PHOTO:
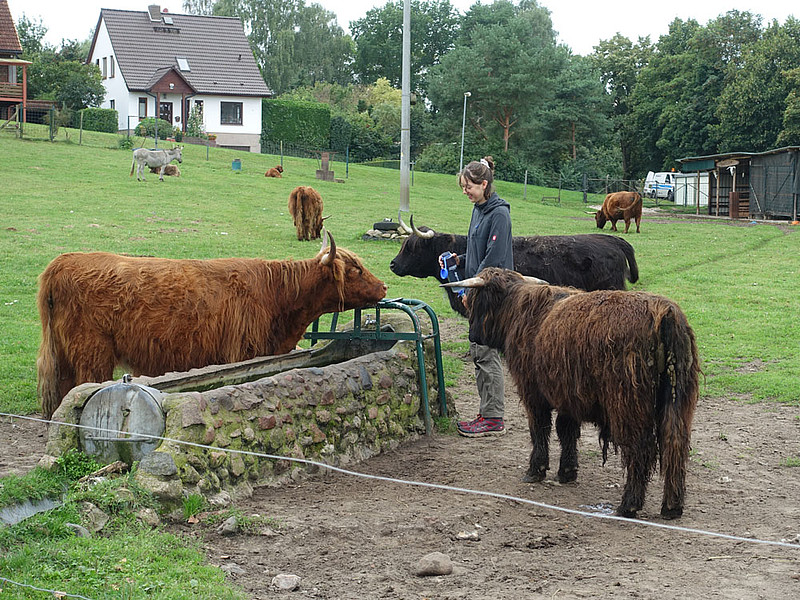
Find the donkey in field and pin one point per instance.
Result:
(154, 158)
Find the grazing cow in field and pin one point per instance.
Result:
(169, 170)
(592, 261)
(305, 206)
(156, 315)
(154, 158)
(274, 172)
(625, 361)
(620, 205)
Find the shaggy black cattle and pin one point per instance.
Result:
(625, 361)
(590, 261)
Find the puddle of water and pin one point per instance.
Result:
(604, 508)
(11, 515)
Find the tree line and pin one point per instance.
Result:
(732, 84)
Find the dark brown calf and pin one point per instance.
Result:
(625, 361)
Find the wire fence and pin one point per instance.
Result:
(43, 123)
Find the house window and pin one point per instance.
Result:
(142, 108)
(113, 104)
(111, 64)
(183, 64)
(105, 67)
(230, 113)
(199, 105)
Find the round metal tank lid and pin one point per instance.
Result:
(118, 420)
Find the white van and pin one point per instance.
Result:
(660, 185)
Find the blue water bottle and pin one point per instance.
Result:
(448, 271)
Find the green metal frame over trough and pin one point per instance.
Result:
(410, 307)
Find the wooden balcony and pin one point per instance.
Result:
(10, 91)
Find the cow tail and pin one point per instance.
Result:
(676, 398)
(633, 268)
(47, 361)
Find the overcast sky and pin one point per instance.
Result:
(580, 24)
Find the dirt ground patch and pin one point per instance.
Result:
(348, 537)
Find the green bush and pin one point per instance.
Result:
(147, 128)
(367, 142)
(341, 132)
(438, 158)
(97, 119)
(297, 122)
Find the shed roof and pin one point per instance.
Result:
(216, 48)
(726, 155)
(9, 40)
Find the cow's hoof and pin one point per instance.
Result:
(626, 512)
(567, 476)
(671, 513)
(534, 477)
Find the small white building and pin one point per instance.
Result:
(691, 189)
(163, 64)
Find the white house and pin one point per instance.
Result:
(163, 64)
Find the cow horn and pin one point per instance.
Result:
(536, 280)
(328, 258)
(327, 217)
(472, 282)
(423, 234)
(324, 239)
(403, 226)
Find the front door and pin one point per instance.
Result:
(165, 111)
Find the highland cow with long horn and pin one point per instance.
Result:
(626, 361)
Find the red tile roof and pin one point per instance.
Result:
(9, 40)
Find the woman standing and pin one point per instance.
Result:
(488, 245)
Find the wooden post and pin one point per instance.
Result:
(697, 195)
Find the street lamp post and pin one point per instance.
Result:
(463, 123)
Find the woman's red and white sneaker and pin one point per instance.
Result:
(481, 427)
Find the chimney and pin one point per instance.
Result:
(155, 12)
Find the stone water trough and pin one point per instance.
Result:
(337, 403)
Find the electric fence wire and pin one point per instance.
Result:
(543, 505)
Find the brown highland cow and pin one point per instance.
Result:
(625, 361)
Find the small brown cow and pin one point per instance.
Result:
(620, 205)
(274, 172)
(168, 170)
(305, 206)
(155, 315)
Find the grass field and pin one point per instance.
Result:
(737, 282)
